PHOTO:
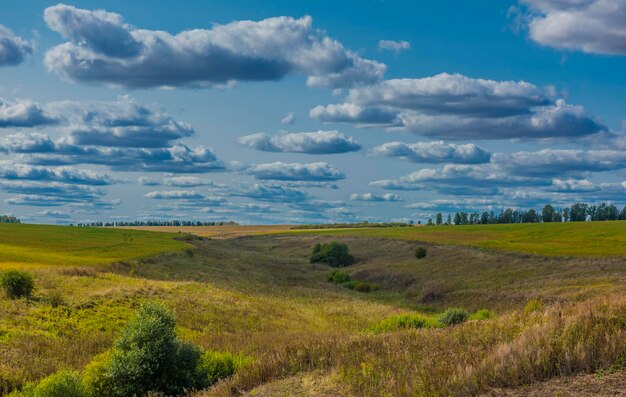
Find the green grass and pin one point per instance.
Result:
(44, 245)
(575, 239)
(261, 297)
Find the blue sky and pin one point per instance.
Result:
(275, 112)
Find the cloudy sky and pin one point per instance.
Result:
(283, 111)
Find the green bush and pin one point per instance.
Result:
(148, 357)
(482, 314)
(453, 316)
(420, 252)
(61, 384)
(220, 365)
(405, 321)
(339, 277)
(17, 284)
(334, 254)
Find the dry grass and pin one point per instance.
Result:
(220, 232)
(260, 296)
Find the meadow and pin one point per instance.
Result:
(534, 317)
(575, 239)
(44, 245)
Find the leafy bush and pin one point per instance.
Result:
(339, 277)
(61, 384)
(148, 357)
(420, 252)
(482, 314)
(220, 365)
(334, 254)
(453, 316)
(405, 321)
(17, 283)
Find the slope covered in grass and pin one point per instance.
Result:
(260, 296)
(46, 245)
(575, 239)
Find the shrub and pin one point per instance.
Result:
(148, 357)
(17, 284)
(95, 379)
(482, 314)
(61, 384)
(339, 277)
(420, 252)
(334, 254)
(453, 316)
(220, 365)
(405, 321)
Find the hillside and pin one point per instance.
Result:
(259, 295)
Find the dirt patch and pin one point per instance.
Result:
(575, 386)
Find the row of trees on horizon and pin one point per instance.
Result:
(154, 223)
(579, 212)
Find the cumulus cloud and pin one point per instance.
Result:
(123, 135)
(557, 162)
(591, 26)
(459, 179)
(452, 106)
(175, 195)
(14, 171)
(394, 45)
(320, 142)
(188, 181)
(124, 122)
(295, 172)
(433, 152)
(102, 48)
(23, 113)
(13, 49)
(272, 193)
(374, 197)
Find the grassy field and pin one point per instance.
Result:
(43, 245)
(573, 239)
(223, 231)
(258, 295)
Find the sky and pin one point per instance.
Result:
(308, 112)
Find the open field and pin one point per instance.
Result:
(225, 231)
(32, 245)
(553, 239)
(258, 295)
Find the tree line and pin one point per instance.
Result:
(9, 219)
(579, 212)
(154, 223)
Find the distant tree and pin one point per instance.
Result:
(449, 221)
(484, 218)
(430, 222)
(438, 219)
(566, 214)
(557, 216)
(530, 216)
(457, 219)
(578, 212)
(547, 214)
(464, 218)
(622, 214)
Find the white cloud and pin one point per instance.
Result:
(394, 45)
(101, 48)
(320, 142)
(433, 152)
(591, 26)
(295, 172)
